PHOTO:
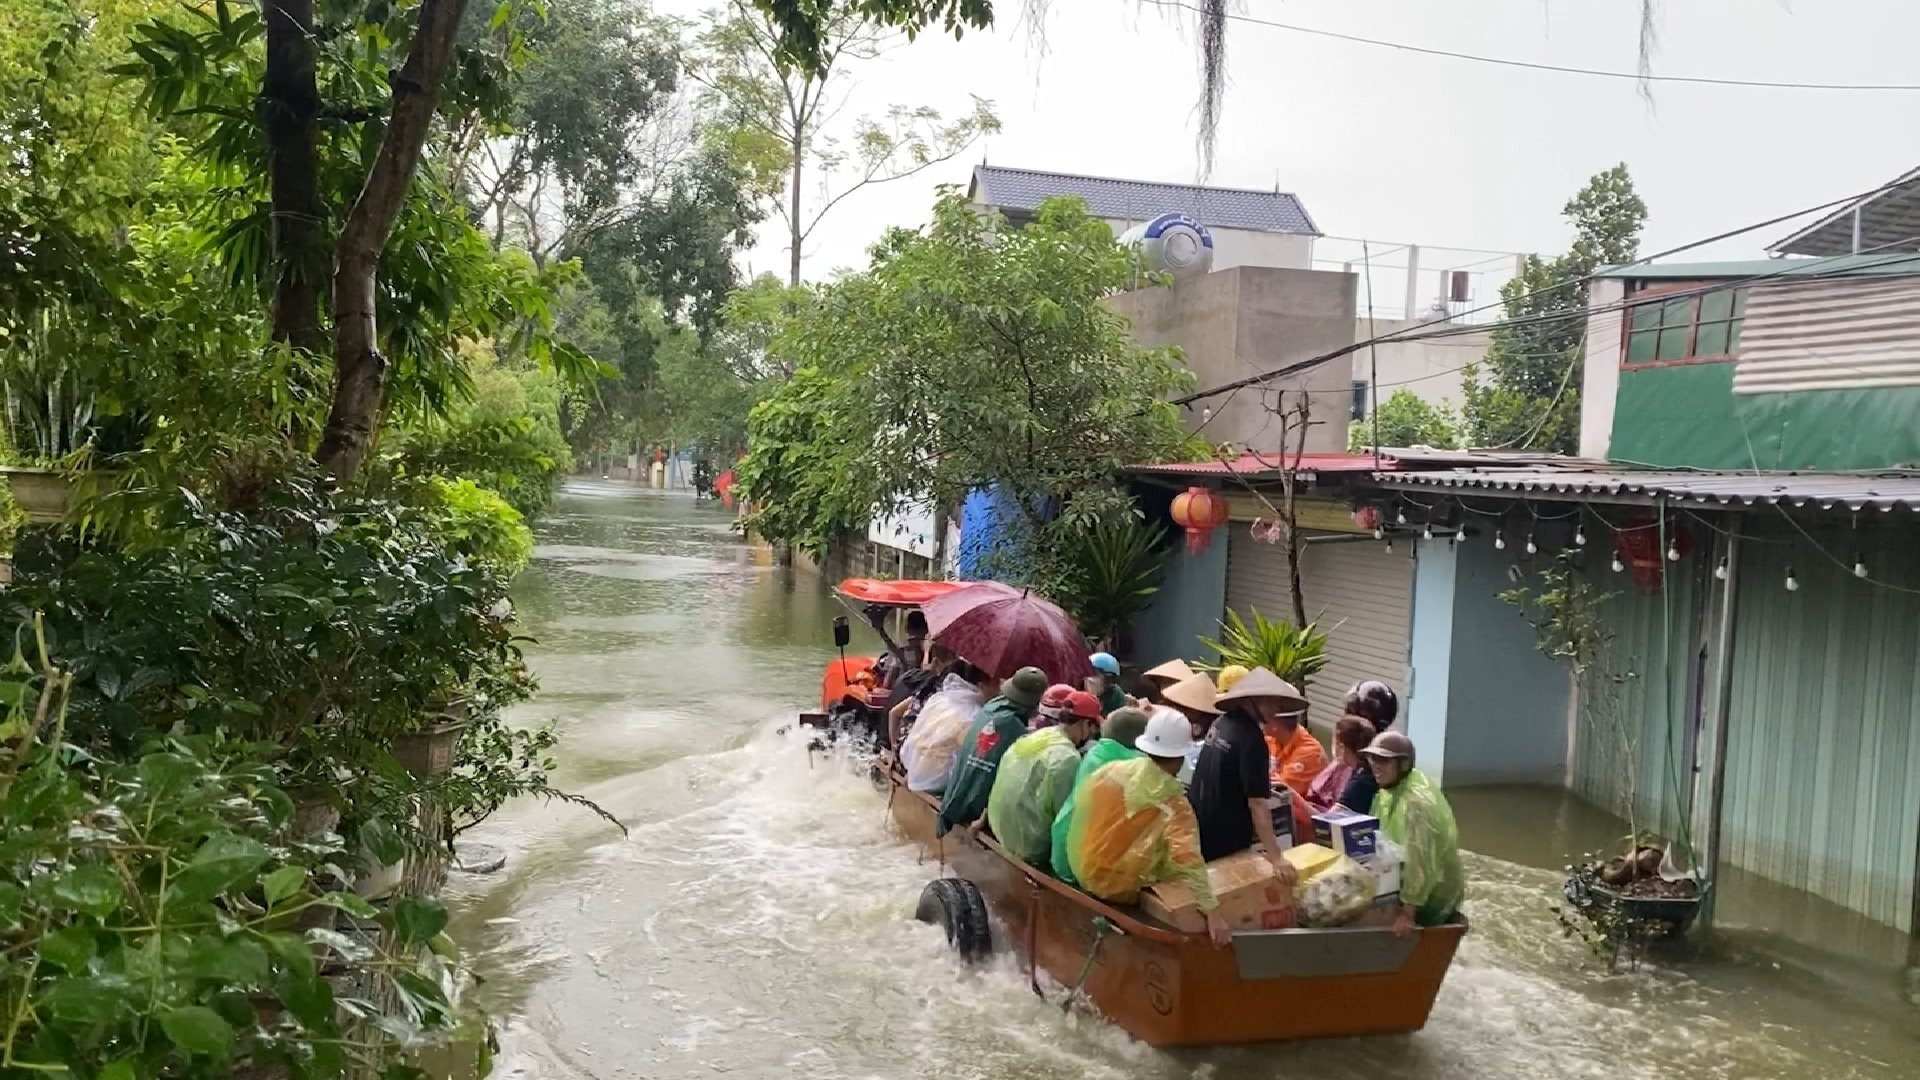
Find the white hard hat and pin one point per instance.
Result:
(1168, 735)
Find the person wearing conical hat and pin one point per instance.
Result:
(1232, 788)
(1158, 679)
(1193, 697)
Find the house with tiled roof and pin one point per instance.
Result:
(1249, 228)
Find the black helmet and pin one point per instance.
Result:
(1373, 700)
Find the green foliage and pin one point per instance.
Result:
(1296, 654)
(267, 623)
(1110, 572)
(156, 912)
(780, 112)
(1404, 419)
(1526, 393)
(504, 436)
(969, 355)
(481, 527)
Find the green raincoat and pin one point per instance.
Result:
(1132, 827)
(997, 725)
(1414, 815)
(1102, 752)
(1035, 778)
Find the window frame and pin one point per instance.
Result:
(1647, 294)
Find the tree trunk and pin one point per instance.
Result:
(360, 372)
(289, 110)
(795, 234)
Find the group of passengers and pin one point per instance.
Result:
(1113, 794)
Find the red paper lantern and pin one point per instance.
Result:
(1199, 511)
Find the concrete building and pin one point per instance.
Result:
(1429, 368)
(1250, 228)
(1235, 323)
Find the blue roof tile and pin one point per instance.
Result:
(1138, 200)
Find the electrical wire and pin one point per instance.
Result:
(1532, 65)
(1405, 333)
(1792, 268)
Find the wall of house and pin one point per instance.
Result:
(1430, 369)
(1823, 740)
(1245, 247)
(1507, 702)
(1600, 374)
(1486, 706)
(1687, 416)
(1431, 654)
(1234, 323)
(1188, 606)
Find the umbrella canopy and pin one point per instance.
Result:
(1001, 629)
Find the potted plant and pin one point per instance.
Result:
(1295, 653)
(1113, 569)
(49, 415)
(1624, 902)
(428, 751)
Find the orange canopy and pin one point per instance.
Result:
(896, 593)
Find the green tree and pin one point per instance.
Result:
(1526, 392)
(783, 109)
(1404, 419)
(968, 355)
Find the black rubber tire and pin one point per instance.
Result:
(956, 904)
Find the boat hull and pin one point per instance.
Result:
(1168, 988)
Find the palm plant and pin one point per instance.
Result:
(1296, 654)
(1113, 570)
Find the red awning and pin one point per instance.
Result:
(896, 593)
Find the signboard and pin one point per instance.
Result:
(910, 530)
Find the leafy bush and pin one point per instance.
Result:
(301, 622)
(482, 527)
(1108, 573)
(155, 913)
(1296, 654)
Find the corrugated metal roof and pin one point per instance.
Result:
(1250, 466)
(1852, 491)
(1845, 334)
(1842, 265)
(1889, 219)
(1140, 200)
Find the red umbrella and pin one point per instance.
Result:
(1001, 629)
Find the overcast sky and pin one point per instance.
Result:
(1398, 147)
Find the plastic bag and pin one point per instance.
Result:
(932, 746)
(1339, 891)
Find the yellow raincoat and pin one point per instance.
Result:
(1132, 827)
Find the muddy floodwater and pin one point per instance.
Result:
(756, 921)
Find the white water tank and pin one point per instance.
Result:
(1174, 243)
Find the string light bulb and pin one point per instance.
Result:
(1673, 550)
(1389, 545)
(1427, 533)
(1532, 548)
(1793, 583)
(1618, 565)
(1379, 533)
(1400, 516)
(1720, 571)
(1579, 536)
(1499, 541)
(1859, 567)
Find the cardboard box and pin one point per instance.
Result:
(1346, 832)
(1250, 897)
(1385, 867)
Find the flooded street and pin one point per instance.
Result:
(757, 920)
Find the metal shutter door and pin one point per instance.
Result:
(1361, 593)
